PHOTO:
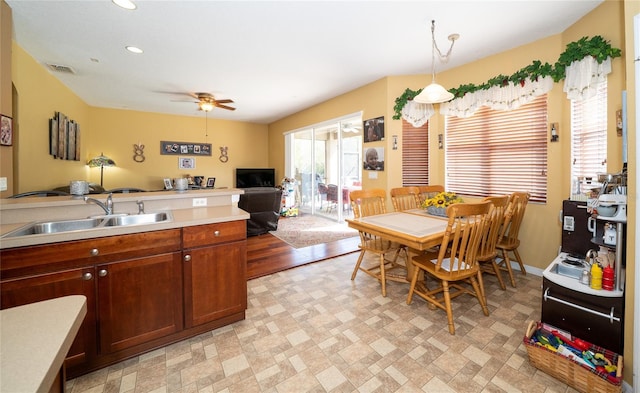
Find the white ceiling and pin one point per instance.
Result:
(273, 58)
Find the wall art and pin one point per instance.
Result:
(374, 129)
(6, 130)
(374, 159)
(64, 138)
(185, 148)
(186, 163)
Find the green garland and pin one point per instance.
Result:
(596, 47)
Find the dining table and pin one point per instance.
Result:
(414, 228)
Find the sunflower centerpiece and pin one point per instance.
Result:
(437, 205)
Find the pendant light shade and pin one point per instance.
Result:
(433, 94)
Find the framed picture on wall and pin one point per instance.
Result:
(374, 159)
(186, 163)
(374, 129)
(6, 130)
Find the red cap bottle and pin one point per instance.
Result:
(607, 278)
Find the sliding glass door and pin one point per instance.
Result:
(325, 159)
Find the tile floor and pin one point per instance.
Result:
(311, 329)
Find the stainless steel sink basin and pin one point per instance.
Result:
(149, 218)
(567, 270)
(56, 227)
(82, 224)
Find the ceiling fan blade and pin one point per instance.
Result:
(227, 101)
(225, 107)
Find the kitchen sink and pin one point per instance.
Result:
(81, 224)
(567, 270)
(148, 218)
(38, 228)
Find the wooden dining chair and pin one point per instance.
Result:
(429, 191)
(368, 203)
(488, 252)
(510, 242)
(405, 198)
(456, 261)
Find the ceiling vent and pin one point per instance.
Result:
(61, 68)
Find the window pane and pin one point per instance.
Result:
(415, 154)
(589, 135)
(499, 152)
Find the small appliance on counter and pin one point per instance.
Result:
(572, 300)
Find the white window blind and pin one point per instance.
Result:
(499, 152)
(415, 154)
(589, 135)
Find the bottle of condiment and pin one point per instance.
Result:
(607, 278)
(596, 276)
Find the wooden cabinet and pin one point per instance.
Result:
(138, 300)
(31, 274)
(21, 291)
(215, 269)
(143, 290)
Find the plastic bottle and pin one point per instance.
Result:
(607, 278)
(596, 276)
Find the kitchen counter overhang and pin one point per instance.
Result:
(34, 341)
(221, 206)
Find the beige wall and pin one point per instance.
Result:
(114, 132)
(6, 105)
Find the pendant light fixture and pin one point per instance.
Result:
(435, 93)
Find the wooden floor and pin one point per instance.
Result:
(266, 254)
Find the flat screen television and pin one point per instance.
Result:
(255, 177)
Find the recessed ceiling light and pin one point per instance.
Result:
(134, 49)
(126, 4)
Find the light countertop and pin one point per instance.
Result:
(221, 207)
(34, 341)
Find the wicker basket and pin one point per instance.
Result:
(577, 376)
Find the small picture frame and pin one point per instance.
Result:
(186, 163)
(374, 129)
(6, 130)
(198, 181)
(167, 184)
(211, 182)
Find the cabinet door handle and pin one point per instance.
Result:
(187, 258)
(94, 252)
(102, 272)
(87, 276)
(216, 233)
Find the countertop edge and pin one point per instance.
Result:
(35, 339)
(181, 218)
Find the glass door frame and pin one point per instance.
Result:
(337, 176)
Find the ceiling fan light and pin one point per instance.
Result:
(206, 106)
(433, 94)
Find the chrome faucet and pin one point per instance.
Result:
(140, 207)
(107, 206)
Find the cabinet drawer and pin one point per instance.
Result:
(203, 235)
(45, 258)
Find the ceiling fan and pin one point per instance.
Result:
(206, 102)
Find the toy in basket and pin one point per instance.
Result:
(581, 365)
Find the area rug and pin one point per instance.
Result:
(307, 230)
